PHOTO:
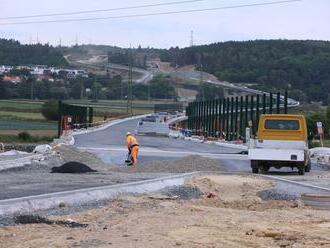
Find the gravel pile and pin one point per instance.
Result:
(183, 192)
(182, 165)
(275, 194)
(62, 155)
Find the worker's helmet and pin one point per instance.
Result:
(128, 133)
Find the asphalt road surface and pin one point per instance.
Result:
(109, 145)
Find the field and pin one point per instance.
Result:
(20, 105)
(24, 116)
(21, 115)
(18, 116)
(119, 106)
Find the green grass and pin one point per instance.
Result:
(118, 106)
(20, 105)
(118, 103)
(32, 139)
(6, 115)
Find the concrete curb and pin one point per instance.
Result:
(107, 125)
(69, 138)
(84, 196)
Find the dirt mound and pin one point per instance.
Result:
(36, 219)
(238, 192)
(72, 167)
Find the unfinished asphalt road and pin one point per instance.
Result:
(106, 151)
(110, 150)
(109, 145)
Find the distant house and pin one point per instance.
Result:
(12, 79)
(40, 78)
(5, 69)
(42, 72)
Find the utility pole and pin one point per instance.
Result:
(130, 82)
(32, 88)
(201, 77)
(191, 38)
(121, 90)
(149, 92)
(82, 89)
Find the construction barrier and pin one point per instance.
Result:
(73, 116)
(228, 118)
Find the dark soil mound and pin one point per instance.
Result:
(35, 219)
(72, 167)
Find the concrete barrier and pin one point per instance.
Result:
(84, 196)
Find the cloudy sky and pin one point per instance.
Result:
(306, 19)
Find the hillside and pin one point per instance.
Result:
(303, 67)
(14, 53)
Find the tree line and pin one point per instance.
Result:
(302, 67)
(94, 87)
(14, 53)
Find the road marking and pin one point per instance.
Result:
(153, 151)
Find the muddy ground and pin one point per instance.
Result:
(209, 211)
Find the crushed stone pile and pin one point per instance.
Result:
(182, 165)
(184, 192)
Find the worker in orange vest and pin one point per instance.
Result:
(133, 147)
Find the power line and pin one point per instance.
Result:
(151, 14)
(101, 10)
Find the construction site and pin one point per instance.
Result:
(190, 123)
(191, 187)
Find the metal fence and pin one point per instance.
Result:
(73, 116)
(227, 118)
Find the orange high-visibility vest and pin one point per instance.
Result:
(131, 141)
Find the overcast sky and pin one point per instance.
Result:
(308, 19)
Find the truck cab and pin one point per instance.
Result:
(281, 141)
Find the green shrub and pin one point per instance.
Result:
(50, 110)
(24, 136)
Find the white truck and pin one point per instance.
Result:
(281, 142)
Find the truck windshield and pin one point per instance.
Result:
(282, 124)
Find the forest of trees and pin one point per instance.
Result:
(302, 67)
(14, 53)
(99, 87)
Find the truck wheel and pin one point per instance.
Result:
(301, 170)
(254, 166)
(264, 168)
(255, 170)
(308, 167)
